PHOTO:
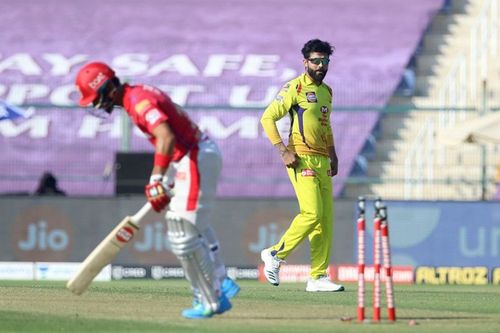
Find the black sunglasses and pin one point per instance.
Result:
(317, 61)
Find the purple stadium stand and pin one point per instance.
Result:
(497, 193)
(178, 44)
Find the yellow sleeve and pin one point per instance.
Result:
(278, 108)
(330, 142)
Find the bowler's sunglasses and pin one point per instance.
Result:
(317, 61)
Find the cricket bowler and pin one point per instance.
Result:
(311, 160)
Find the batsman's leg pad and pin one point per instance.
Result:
(214, 246)
(194, 255)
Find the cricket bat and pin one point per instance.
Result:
(106, 251)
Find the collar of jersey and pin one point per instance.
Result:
(308, 81)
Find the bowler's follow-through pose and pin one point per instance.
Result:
(180, 149)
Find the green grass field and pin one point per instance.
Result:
(154, 306)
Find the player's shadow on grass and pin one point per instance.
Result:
(283, 317)
(354, 319)
(443, 318)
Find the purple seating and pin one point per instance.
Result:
(202, 55)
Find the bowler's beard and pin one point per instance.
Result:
(317, 75)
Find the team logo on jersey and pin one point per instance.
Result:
(152, 116)
(324, 109)
(139, 107)
(311, 97)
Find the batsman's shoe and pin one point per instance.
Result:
(271, 266)
(323, 283)
(196, 299)
(224, 304)
(229, 287)
(198, 311)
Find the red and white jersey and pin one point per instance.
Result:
(147, 106)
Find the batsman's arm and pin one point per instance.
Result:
(164, 148)
(106, 251)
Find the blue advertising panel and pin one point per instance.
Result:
(439, 233)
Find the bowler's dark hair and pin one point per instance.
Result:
(316, 45)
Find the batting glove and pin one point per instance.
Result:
(157, 196)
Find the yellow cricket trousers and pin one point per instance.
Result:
(313, 188)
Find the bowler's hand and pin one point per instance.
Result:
(157, 196)
(334, 167)
(290, 159)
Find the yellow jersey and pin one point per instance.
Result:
(309, 106)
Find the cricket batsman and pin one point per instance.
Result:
(180, 149)
(311, 160)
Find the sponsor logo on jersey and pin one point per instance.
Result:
(142, 105)
(279, 98)
(308, 173)
(311, 97)
(324, 109)
(180, 175)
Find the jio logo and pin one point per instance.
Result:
(151, 245)
(265, 228)
(42, 233)
(40, 237)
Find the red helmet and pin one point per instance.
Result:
(90, 78)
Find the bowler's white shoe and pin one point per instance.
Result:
(323, 284)
(271, 266)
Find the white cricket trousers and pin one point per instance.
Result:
(196, 176)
